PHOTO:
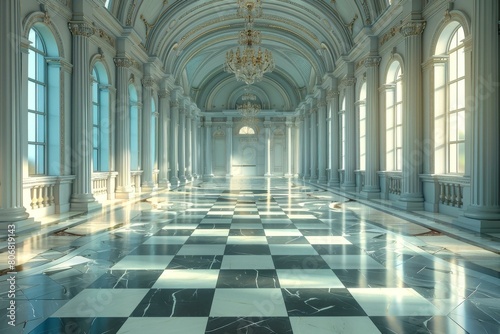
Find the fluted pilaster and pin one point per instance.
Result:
(322, 141)
(333, 100)
(350, 132)
(146, 153)
(163, 138)
(174, 144)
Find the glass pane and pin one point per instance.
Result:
(453, 158)
(399, 114)
(461, 63)
(95, 115)
(95, 137)
(32, 65)
(31, 127)
(31, 95)
(95, 92)
(40, 67)
(40, 98)
(399, 136)
(32, 37)
(453, 96)
(453, 66)
(40, 128)
(461, 94)
(40, 159)
(460, 35)
(461, 125)
(399, 91)
(461, 158)
(399, 159)
(31, 159)
(95, 161)
(452, 123)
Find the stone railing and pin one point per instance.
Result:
(394, 182)
(135, 180)
(41, 191)
(444, 191)
(45, 195)
(103, 184)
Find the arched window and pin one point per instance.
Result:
(246, 130)
(107, 4)
(362, 127)
(342, 131)
(394, 117)
(37, 105)
(449, 101)
(100, 118)
(134, 128)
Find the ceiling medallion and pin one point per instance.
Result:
(248, 63)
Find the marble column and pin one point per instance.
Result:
(307, 146)
(182, 145)
(289, 147)
(82, 198)
(163, 138)
(12, 211)
(483, 213)
(124, 189)
(267, 153)
(302, 149)
(322, 141)
(194, 146)
(229, 147)
(188, 153)
(146, 154)
(174, 142)
(371, 188)
(411, 189)
(208, 150)
(313, 143)
(350, 130)
(333, 101)
(296, 147)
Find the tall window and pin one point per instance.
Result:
(362, 127)
(342, 131)
(456, 103)
(37, 105)
(96, 121)
(134, 129)
(394, 117)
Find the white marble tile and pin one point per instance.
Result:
(246, 239)
(216, 221)
(361, 261)
(248, 303)
(155, 325)
(195, 249)
(301, 216)
(282, 233)
(210, 233)
(102, 303)
(275, 221)
(184, 279)
(247, 262)
(143, 262)
(249, 226)
(236, 216)
(292, 249)
(392, 302)
(166, 240)
(327, 240)
(180, 226)
(220, 213)
(314, 226)
(308, 278)
(330, 325)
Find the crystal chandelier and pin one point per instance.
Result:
(249, 64)
(248, 109)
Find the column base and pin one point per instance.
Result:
(410, 203)
(195, 176)
(208, 176)
(334, 183)
(86, 206)
(322, 180)
(174, 181)
(228, 176)
(124, 194)
(288, 175)
(306, 177)
(268, 175)
(20, 226)
(182, 179)
(164, 184)
(370, 194)
(348, 186)
(189, 177)
(478, 225)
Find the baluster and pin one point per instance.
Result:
(51, 195)
(34, 197)
(40, 197)
(459, 196)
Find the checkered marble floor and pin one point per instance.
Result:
(253, 256)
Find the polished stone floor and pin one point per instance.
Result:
(251, 256)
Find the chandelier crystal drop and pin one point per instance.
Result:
(248, 63)
(248, 109)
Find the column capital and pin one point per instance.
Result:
(322, 103)
(332, 94)
(148, 82)
(174, 104)
(412, 28)
(123, 62)
(81, 28)
(164, 94)
(372, 61)
(348, 82)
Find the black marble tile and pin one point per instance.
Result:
(321, 302)
(206, 240)
(230, 325)
(79, 325)
(275, 226)
(320, 232)
(369, 278)
(250, 278)
(338, 249)
(287, 240)
(299, 262)
(213, 226)
(175, 303)
(186, 220)
(236, 221)
(247, 250)
(246, 232)
(244, 213)
(476, 318)
(418, 325)
(169, 232)
(195, 262)
(127, 279)
(156, 249)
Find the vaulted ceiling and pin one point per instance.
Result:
(191, 39)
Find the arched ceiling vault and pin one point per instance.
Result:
(192, 37)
